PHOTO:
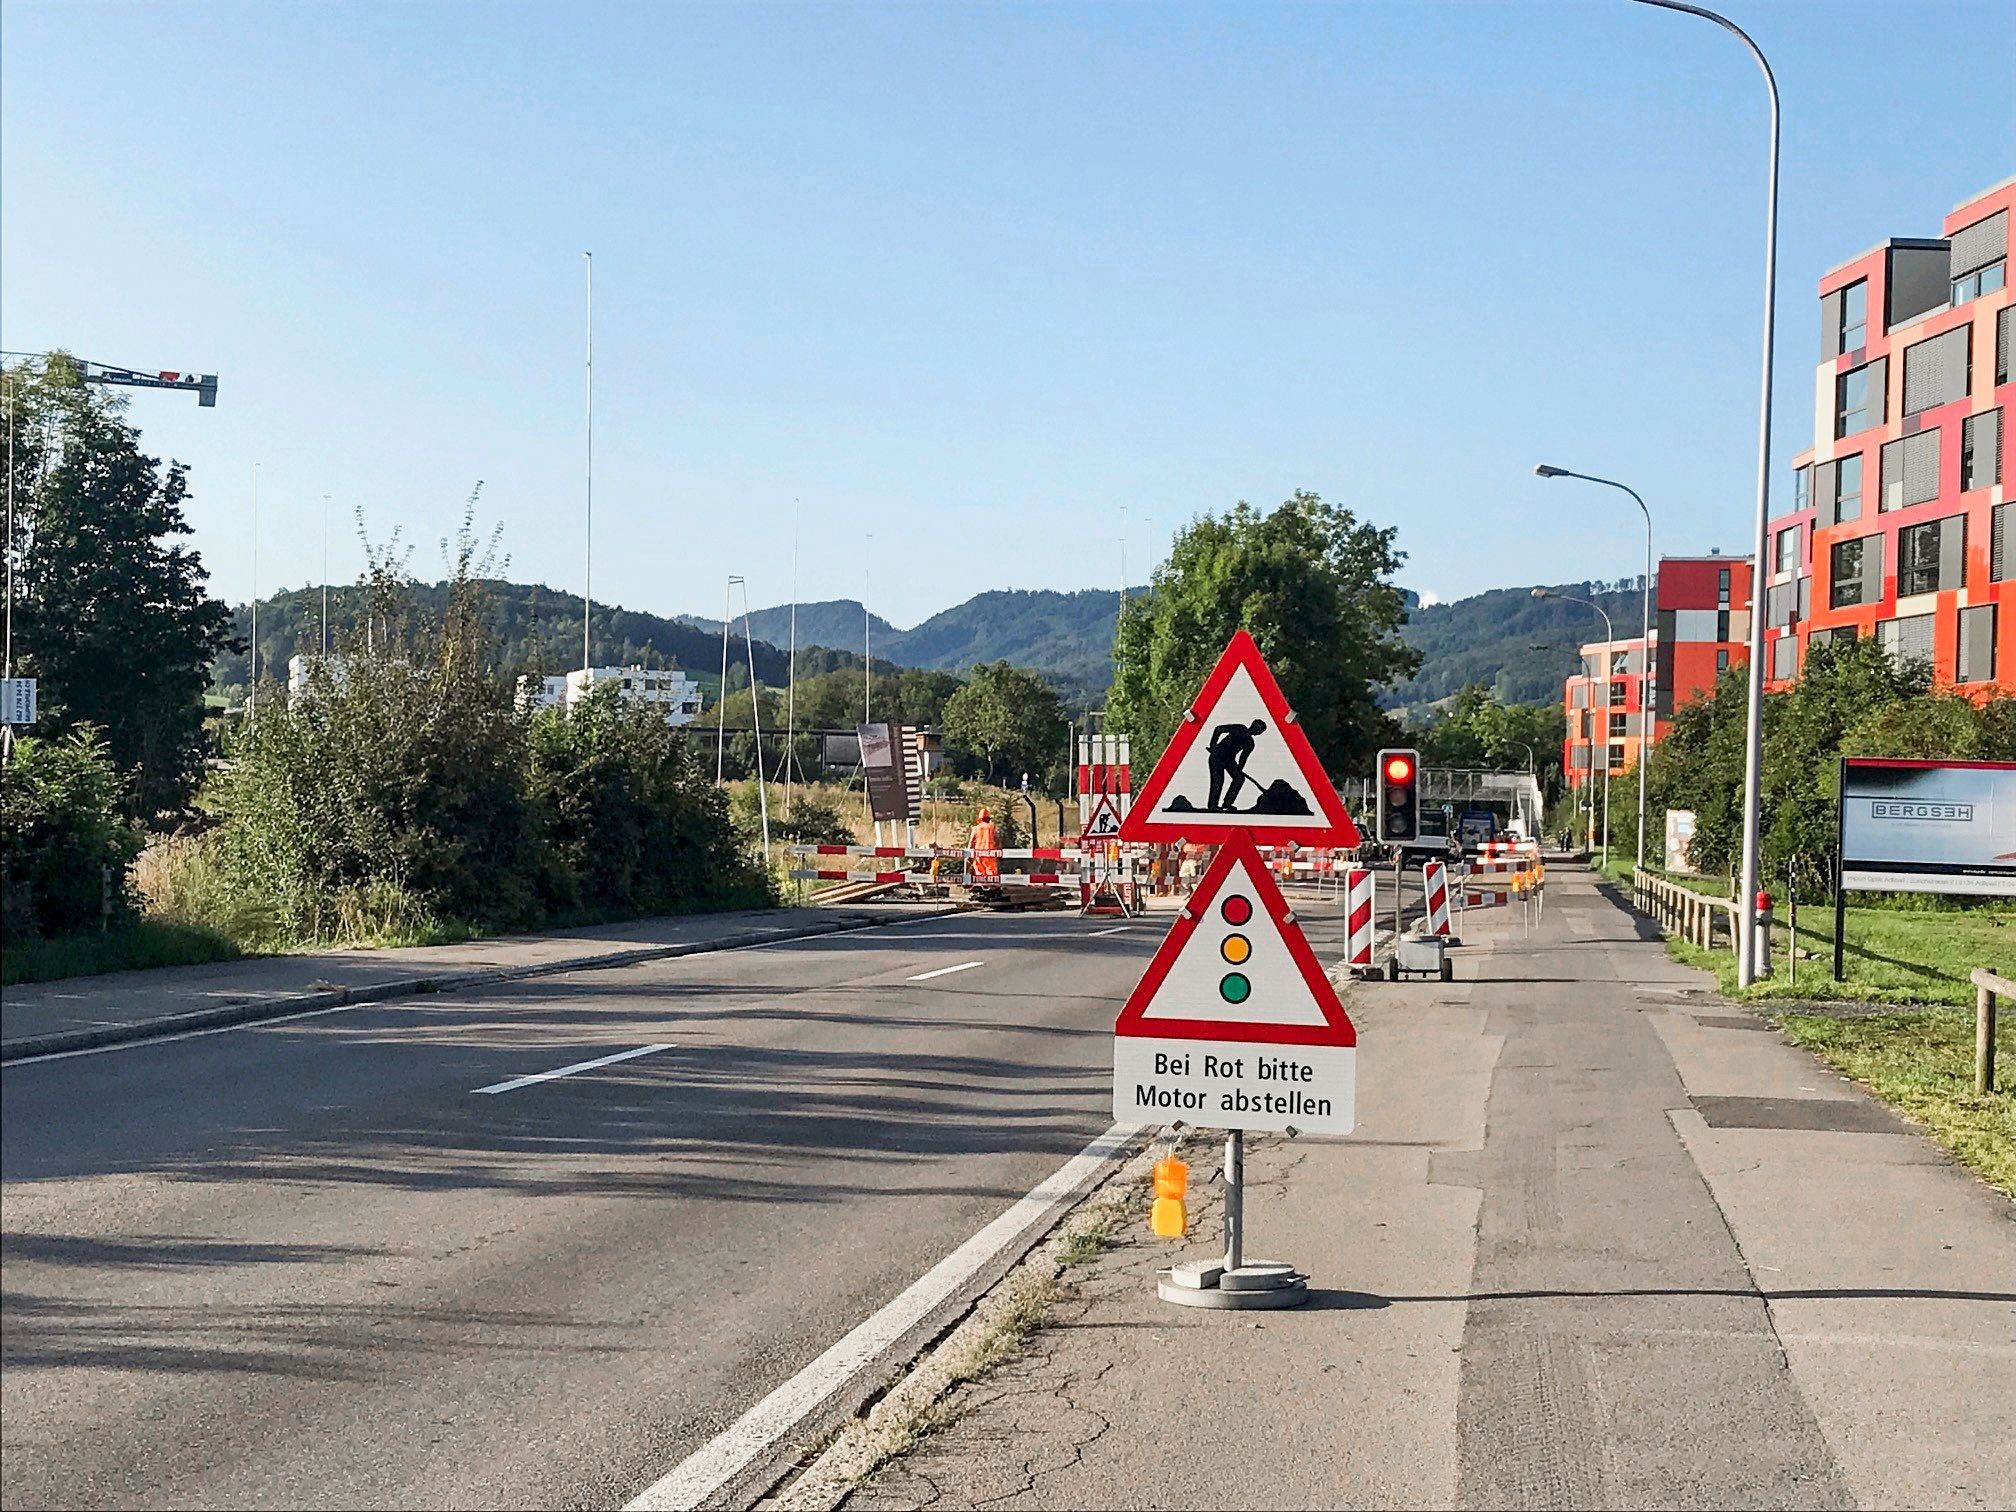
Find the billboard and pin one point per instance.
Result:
(882, 765)
(1928, 826)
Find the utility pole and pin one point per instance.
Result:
(252, 690)
(588, 509)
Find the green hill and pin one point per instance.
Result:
(1510, 641)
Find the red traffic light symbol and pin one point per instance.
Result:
(1399, 768)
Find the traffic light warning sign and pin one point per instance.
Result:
(1234, 1025)
(1239, 764)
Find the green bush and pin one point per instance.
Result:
(631, 824)
(62, 835)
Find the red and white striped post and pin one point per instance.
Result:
(1359, 913)
(1435, 885)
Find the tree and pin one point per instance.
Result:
(112, 619)
(1009, 719)
(1476, 730)
(1312, 584)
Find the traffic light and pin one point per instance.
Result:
(1399, 796)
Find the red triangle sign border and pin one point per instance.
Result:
(1139, 825)
(1239, 853)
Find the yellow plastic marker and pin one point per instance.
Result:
(1170, 1218)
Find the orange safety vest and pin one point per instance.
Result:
(983, 838)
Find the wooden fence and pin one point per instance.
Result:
(1707, 922)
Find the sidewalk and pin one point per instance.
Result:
(80, 1012)
(1601, 1240)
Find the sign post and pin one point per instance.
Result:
(1234, 1025)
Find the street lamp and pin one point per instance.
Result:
(1649, 680)
(1610, 636)
(1753, 745)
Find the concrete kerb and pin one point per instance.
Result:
(967, 1348)
(252, 1011)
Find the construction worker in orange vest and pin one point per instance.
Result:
(983, 838)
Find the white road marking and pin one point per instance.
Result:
(701, 1476)
(925, 976)
(1116, 929)
(588, 1065)
(842, 936)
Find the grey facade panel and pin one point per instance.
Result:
(1935, 371)
(2005, 323)
(1981, 449)
(2002, 543)
(1804, 611)
(1953, 551)
(1977, 644)
(1825, 486)
(1910, 470)
(1830, 325)
(1779, 602)
(1784, 656)
(1908, 639)
(1920, 282)
(1979, 244)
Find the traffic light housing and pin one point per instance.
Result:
(1399, 784)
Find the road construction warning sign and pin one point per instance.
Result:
(1234, 1025)
(1104, 821)
(1239, 764)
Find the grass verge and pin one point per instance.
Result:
(1922, 1064)
(124, 947)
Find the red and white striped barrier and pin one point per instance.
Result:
(806, 875)
(1360, 893)
(1435, 886)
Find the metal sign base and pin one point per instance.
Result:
(1235, 1282)
(1259, 1283)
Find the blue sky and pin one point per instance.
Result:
(993, 285)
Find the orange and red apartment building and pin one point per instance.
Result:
(1902, 527)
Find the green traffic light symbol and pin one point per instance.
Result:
(1236, 949)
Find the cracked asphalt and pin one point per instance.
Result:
(1592, 1246)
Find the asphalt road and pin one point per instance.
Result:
(310, 1263)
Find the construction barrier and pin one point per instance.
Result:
(1360, 899)
(1435, 889)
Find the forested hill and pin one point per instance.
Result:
(1520, 646)
(1067, 635)
(537, 629)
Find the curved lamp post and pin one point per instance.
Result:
(1753, 748)
(1648, 681)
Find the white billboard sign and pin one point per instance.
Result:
(1928, 826)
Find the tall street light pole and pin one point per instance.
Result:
(1753, 747)
(1647, 682)
(588, 504)
(1609, 639)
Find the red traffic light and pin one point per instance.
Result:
(1399, 768)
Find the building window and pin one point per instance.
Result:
(1587, 728)
(1935, 370)
(2002, 543)
(1857, 574)
(1721, 661)
(1722, 587)
(1848, 488)
(1616, 756)
(1787, 559)
(1976, 663)
(1930, 556)
(1911, 470)
(1981, 281)
(1855, 316)
(1722, 624)
(1802, 488)
(1981, 450)
(1908, 639)
(1620, 724)
(1784, 657)
(1858, 399)
(1618, 693)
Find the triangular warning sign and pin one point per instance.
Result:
(1104, 821)
(1239, 764)
(1236, 967)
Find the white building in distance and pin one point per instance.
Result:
(665, 688)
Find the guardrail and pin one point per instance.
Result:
(1987, 987)
(1684, 912)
